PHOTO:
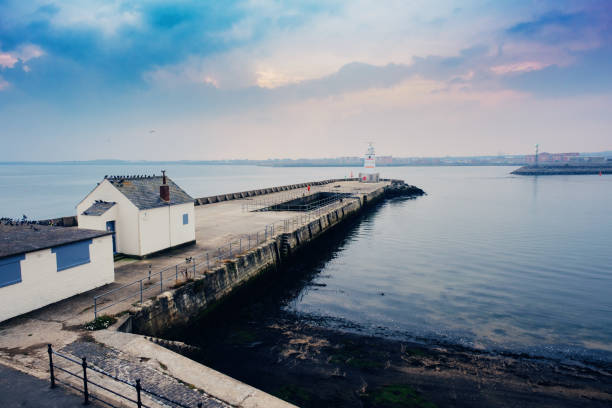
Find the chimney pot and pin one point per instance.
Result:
(164, 189)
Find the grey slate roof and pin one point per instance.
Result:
(98, 208)
(19, 239)
(144, 191)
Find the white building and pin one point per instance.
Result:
(146, 213)
(40, 265)
(369, 174)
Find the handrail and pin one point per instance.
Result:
(138, 388)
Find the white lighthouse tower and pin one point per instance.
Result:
(369, 174)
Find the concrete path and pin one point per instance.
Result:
(21, 390)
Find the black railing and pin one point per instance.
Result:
(83, 384)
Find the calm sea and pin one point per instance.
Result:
(486, 259)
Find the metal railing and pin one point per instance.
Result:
(157, 282)
(154, 283)
(80, 381)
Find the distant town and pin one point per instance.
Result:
(381, 161)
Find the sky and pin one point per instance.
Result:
(258, 79)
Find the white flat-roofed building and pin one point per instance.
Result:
(146, 214)
(40, 265)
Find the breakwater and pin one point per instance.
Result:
(177, 306)
(554, 170)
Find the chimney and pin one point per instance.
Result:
(164, 189)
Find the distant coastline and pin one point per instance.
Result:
(347, 161)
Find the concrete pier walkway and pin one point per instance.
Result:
(19, 390)
(23, 339)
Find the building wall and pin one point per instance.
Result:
(179, 232)
(154, 230)
(41, 284)
(125, 216)
(162, 227)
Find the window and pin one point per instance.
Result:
(185, 219)
(71, 255)
(10, 270)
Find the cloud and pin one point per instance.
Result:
(23, 54)
(7, 60)
(550, 26)
(586, 27)
(590, 74)
(524, 66)
(122, 42)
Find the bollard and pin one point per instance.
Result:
(176, 273)
(230, 249)
(51, 373)
(85, 392)
(149, 272)
(207, 262)
(240, 245)
(140, 291)
(161, 281)
(95, 308)
(257, 238)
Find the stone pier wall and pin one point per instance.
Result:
(178, 306)
(263, 191)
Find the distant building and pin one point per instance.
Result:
(551, 157)
(146, 214)
(40, 265)
(589, 159)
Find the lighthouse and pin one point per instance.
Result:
(369, 174)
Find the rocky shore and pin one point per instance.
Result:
(399, 188)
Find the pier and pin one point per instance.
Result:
(239, 236)
(564, 169)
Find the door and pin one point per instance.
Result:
(110, 227)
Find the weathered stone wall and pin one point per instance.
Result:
(178, 306)
(251, 193)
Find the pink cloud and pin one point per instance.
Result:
(7, 60)
(524, 66)
(24, 53)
